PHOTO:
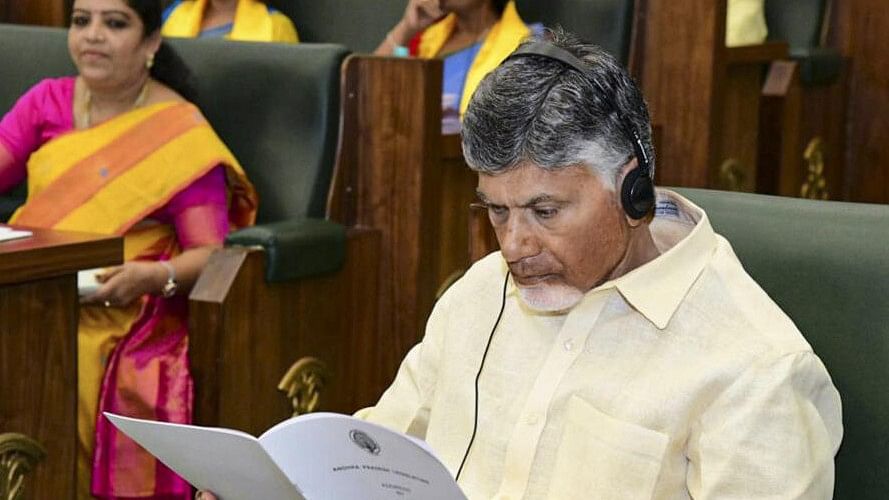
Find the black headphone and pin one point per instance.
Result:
(637, 190)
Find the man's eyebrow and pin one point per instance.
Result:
(542, 198)
(481, 196)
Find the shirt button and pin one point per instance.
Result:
(532, 419)
(569, 345)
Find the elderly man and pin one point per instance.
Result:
(614, 347)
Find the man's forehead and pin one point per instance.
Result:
(530, 181)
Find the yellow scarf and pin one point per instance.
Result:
(501, 40)
(253, 22)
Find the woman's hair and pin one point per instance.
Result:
(168, 68)
(499, 5)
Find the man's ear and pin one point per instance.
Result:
(618, 191)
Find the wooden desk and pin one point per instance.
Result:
(38, 346)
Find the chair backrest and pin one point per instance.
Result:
(360, 25)
(607, 23)
(275, 105)
(826, 264)
(797, 22)
(35, 54)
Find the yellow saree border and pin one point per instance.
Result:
(133, 165)
(501, 40)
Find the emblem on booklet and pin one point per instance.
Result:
(365, 442)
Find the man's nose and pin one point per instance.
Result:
(517, 239)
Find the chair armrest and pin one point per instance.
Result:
(761, 53)
(296, 248)
(818, 65)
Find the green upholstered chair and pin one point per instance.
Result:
(360, 25)
(276, 106)
(801, 24)
(607, 23)
(827, 265)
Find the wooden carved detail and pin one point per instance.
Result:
(732, 175)
(303, 384)
(18, 456)
(815, 185)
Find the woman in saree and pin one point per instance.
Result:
(241, 20)
(119, 150)
(472, 36)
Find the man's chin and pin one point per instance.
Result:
(550, 297)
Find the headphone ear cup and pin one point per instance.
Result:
(637, 194)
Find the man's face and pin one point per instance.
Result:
(562, 232)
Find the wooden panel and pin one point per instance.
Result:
(824, 118)
(38, 376)
(38, 345)
(680, 84)
(779, 121)
(458, 185)
(245, 334)
(860, 32)
(388, 177)
(54, 253)
(41, 12)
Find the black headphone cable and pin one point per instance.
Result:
(478, 376)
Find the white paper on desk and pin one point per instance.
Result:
(87, 284)
(318, 455)
(7, 233)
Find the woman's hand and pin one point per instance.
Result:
(122, 285)
(204, 495)
(419, 15)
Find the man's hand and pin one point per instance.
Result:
(122, 285)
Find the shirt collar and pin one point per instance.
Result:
(657, 288)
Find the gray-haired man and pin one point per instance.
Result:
(634, 357)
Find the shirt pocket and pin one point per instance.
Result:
(604, 458)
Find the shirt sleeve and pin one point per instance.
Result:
(772, 434)
(406, 403)
(200, 212)
(20, 134)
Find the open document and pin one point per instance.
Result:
(319, 456)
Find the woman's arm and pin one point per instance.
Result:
(9, 175)
(199, 215)
(122, 285)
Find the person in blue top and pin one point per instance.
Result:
(243, 20)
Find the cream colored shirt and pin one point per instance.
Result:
(680, 379)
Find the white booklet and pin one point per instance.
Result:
(8, 233)
(318, 456)
(87, 282)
